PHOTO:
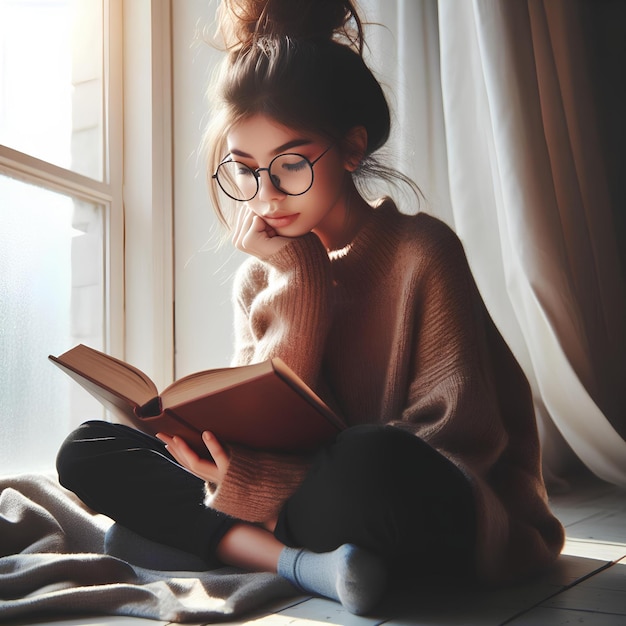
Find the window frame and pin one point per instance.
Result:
(148, 188)
(106, 193)
(136, 191)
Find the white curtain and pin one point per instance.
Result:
(497, 121)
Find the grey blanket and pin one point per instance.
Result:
(52, 561)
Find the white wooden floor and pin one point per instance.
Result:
(587, 586)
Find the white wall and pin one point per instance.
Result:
(203, 274)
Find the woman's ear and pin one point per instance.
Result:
(354, 147)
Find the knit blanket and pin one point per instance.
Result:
(52, 561)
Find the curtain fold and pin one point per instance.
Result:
(531, 196)
(404, 53)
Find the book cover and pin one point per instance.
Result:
(264, 406)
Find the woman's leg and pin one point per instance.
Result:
(388, 492)
(130, 476)
(349, 574)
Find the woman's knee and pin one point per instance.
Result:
(361, 461)
(373, 486)
(82, 446)
(346, 492)
(380, 453)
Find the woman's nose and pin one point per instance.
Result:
(267, 189)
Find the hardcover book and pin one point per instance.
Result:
(264, 406)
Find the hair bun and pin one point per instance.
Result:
(243, 22)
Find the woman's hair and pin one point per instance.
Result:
(300, 62)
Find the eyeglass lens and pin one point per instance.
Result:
(290, 173)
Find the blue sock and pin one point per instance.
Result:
(349, 575)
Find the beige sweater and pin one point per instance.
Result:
(395, 327)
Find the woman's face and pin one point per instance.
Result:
(259, 139)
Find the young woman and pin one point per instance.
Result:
(439, 470)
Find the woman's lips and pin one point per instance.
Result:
(280, 221)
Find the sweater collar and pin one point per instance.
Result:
(373, 245)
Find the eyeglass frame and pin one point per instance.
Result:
(257, 173)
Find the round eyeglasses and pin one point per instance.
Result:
(290, 173)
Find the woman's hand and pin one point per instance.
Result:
(210, 471)
(253, 236)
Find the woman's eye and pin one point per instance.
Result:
(295, 166)
(243, 170)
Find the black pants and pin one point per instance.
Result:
(377, 487)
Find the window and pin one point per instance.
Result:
(52, 81)
(61, 252)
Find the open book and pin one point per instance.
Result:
(264, 406)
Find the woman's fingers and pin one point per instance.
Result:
(203, 468)
(242, 226)
(251, 234)
(218, 452)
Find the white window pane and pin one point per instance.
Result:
(51, 88)
(51, 297)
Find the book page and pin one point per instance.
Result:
(209, 381)
(110, 373)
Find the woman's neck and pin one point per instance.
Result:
(346, 221)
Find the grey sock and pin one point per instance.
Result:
(349, 574)
(127, 545)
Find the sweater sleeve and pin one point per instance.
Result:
(257, 484)
(469, 399)
(448, 376)
(282, 309)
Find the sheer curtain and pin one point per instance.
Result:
(504, 120)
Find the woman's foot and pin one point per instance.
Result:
(349, 574)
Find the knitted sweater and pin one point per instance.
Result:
(392, 330)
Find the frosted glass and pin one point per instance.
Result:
(51, 297)
(51, 87)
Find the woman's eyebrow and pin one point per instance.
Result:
(294, 143)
